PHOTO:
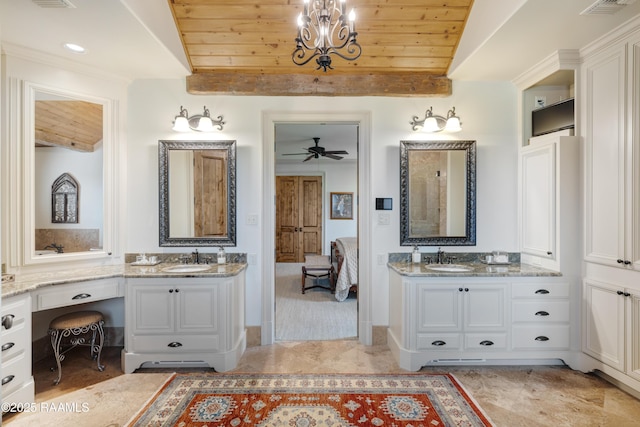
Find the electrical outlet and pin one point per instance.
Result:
(252, 259)
(382, 259)
(384, 219)
(252, 219)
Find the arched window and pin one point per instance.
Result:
(64, 199)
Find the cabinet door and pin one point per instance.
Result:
(604, 323)
(604, 127)
(154, 310)
(197, 309)
(633, 335)
(538, 200)
(439, 308)
(484, 307)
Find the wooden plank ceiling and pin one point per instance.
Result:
(76, 125)
(244, 47)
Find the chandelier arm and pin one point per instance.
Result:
(354, 50)
(299, 55)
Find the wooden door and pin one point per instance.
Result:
(210, 193)
(298, 217)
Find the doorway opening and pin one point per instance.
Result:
(316, 167)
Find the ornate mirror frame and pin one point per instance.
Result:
(469, 239)
(164, 148)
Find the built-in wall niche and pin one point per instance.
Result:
(554, 88)
(64, 133)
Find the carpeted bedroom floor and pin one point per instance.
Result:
(316, 315)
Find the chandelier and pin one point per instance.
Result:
(323, 30)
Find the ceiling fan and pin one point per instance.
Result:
(317, 152)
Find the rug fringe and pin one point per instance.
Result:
(149, 401)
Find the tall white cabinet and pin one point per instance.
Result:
(610, 123)
(549, 199)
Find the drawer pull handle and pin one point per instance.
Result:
(8, 379)
(542, 292)
(542, 313)
(439, 343)
(486, 342)
(7, 321)
(542, 338)
(82, 296)
(7, 346)
(174, 344)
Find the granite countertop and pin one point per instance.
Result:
(31, 281)
(477, 270)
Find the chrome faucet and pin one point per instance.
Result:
(196, 256)
(440, 256)
(58, 248)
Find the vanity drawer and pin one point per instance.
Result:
(485, 341)
(16, 313)
(76, 293)
(540, 290)
(547, 337)
(540, 311)
(175, 343)
(439, 342)
(15, 372)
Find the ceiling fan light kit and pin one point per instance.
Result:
(199, 122)
(324, 29)
(317, 151)
(435, 123)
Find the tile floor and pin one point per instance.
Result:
(530, 396)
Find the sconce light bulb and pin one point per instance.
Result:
(181, 124)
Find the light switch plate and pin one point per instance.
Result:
(384, 218)
(252, 219)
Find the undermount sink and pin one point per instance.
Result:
(186, 268)
(450, 268)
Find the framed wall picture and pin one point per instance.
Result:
(341, 205)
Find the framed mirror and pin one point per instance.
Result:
(437, 193)
(66, 134)
(197, 182)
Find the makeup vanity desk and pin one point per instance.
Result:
(216, 335)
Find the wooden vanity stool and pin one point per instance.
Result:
(76, 325)
(317, 267)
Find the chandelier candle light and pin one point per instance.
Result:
(323, 30)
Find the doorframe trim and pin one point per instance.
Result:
(269, 121)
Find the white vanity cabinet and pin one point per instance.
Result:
(184, 319)
(15, 339)
(480, 319)
(549, 199)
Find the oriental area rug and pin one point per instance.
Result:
(311, 400)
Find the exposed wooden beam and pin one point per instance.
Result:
(388, 84)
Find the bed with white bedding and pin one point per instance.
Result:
(346, 257)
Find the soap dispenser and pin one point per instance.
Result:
(415, 255)
(222, 258)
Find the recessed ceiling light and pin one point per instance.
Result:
(75, 48)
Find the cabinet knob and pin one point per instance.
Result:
(438, 343)
(466, 289)
(82, 296)
(542, 313)
(620, 261)
(542, 292)
(542, 338)
(549, 253)
(7, 379)
(7, 321)
(620, 293)
(627, 294)
(486, 343)
(459, 289)
(627, 262)
(174, 344)
(7, 346)
(170, 291)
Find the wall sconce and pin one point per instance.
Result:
(435, 123)
(200, 122)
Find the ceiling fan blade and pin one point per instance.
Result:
(309, 158)
(331, 156)
(337, 152)
(295, 154)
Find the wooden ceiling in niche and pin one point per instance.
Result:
(244, 47)
(76, 125)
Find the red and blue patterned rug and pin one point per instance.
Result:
(312, 400)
